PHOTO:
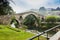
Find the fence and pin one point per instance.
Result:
(44, 32)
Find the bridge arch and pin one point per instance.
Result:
(28, 13)
(32, 19)
(15, 22)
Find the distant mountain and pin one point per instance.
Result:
(47, 11)
(57, 9)
(42, 9)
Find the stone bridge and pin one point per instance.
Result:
(6, 19)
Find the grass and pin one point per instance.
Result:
(40, 38)
(8, 33)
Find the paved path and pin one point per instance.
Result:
(56, 36)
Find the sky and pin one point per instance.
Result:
(25, 5)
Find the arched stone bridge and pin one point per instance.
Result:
(6, 19)
(23, 15)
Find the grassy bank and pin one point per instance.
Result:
(8, 33)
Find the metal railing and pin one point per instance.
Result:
(44, 32)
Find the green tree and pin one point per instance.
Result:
(58, 19)
(5, 8)
(50, 19)
(31, 21)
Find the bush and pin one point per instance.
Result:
(50, 19)
(13, 17)
(31, 21)
(58, 19)
(24, 27)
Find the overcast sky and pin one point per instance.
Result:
(24, 5)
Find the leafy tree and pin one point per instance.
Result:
(31, 20)
(58, 19)
(50, 19)
(5, 7)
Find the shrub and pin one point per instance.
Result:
(31, 21)
(50, 19)
(24, 27)
(13, 17)
(58, 19)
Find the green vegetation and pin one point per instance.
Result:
(50, 22)
(5, 8)
(41, 38)
(50, 19)
(34, 23)
(31, 21)
(8, 33)
(58, 19)
(13, 20)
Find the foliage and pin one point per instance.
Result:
(50, 19)
(58, 19)
(24, 27)
(13, 17)
(31, 21)
(50, 25)
(41, 38)
(8, 33)
(13, 20)
(5, 8)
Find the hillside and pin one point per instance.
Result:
(8, 33)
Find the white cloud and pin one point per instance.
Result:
(23, 5)
(36, 3)
(18, 9)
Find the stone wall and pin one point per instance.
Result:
(5, 19)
